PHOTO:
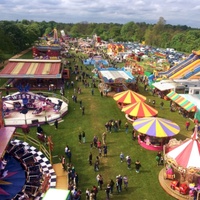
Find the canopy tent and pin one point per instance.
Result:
(187, 154)
(162, 86)
(128, 96)
(183, 101)
(6, 134)
(139, 109)
(112, 75)
(155, 126)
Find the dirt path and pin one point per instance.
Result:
(2, 64)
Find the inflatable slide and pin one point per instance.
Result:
(187, 71)
(180, 66)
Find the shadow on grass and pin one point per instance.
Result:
(145, 171)
(103, 167)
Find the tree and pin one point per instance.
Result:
(128, 31)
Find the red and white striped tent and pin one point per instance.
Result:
(187, 155)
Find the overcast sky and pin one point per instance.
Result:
(175, 12)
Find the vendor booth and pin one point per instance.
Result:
(116, 80)
(188, 105)
(39, 74)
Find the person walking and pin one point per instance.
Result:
(83, 137)
(137, 166)
(154, 103)
(56, 124)
(81, 103)
(128, 161)
(92, 91)
(158, 157)
(80, 138)
(161, 105)
(104, 138)
(126, 127)
(90, 158)
(105, 150)
(120, 181)
(66, 150)
(107, 192)
(63, 162)
(69, 155)
(83, 110)
(121, 157)
(87, 194)
(112, 183)
(100, 182)
(125, 179)
(187, 125)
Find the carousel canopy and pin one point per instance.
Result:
(128, 96)
(139, 109)
(187, 155)
(155, 126)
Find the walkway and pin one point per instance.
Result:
(2, 64)
(61, 177)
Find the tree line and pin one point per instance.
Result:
(19, 35)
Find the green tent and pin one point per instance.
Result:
(147, 73)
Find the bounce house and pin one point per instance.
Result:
(115, 48)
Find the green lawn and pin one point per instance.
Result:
(98, 110)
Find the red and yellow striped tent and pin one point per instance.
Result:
(139, 109)
(30, 68)
(128, 96)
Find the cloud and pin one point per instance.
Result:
(182, 12)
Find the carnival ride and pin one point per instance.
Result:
(182, 158)
(184, 70)
(34, 106)
(48, 47)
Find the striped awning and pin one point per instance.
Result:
(173, 95)
(21, 68)
(182, 101)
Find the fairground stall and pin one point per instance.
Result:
(115, 80)
(39, 74)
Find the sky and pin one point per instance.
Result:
(175, 12)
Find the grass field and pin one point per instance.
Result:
(98, 110)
